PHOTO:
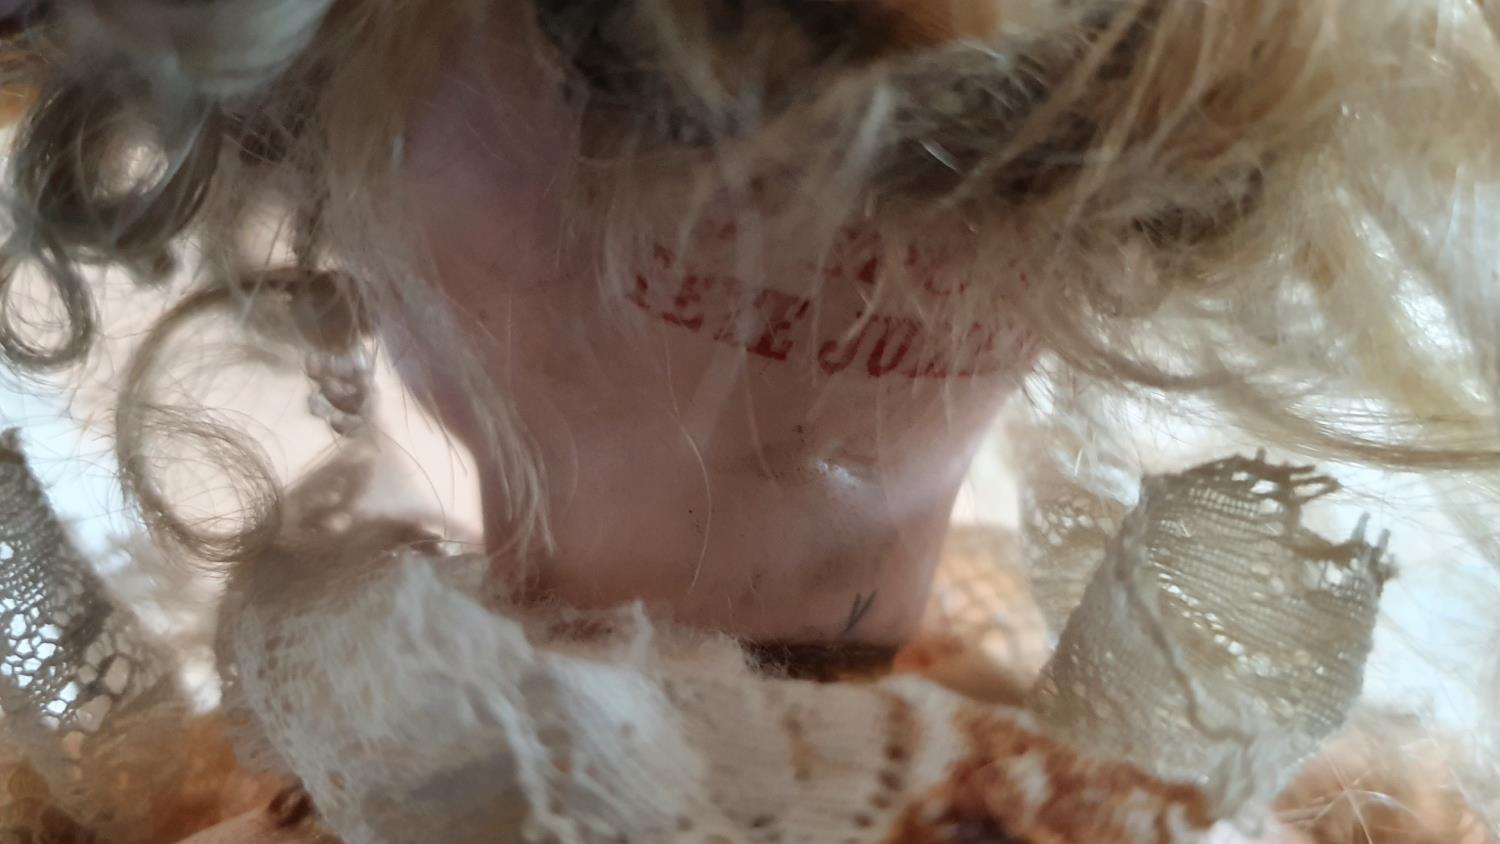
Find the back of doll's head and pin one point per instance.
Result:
(1248, 170)
(1248, 202)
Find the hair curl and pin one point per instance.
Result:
(1233, 199)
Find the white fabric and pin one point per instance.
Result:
(415, 704)
(1219, 620)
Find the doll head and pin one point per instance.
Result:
(722, 294)
(784, 260)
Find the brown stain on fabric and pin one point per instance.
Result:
(1083, 800)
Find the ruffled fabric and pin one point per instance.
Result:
(413, 702)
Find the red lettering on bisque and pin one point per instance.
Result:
(835, 355)
(898, 341)
(765, 325)
(892, 346)
(687, 305)
(779, 313)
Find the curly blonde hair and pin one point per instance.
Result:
(1281, 207)
(1237, 200)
